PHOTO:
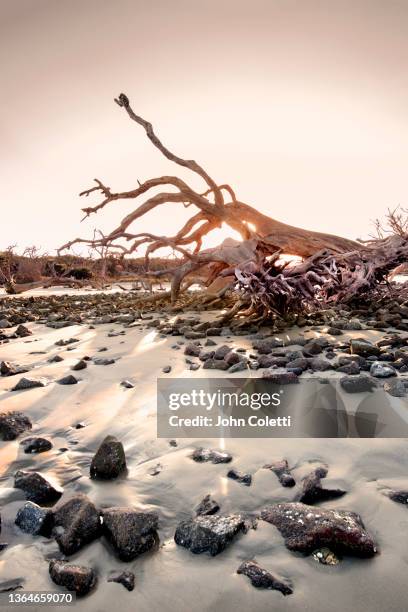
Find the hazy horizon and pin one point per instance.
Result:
(301, 107)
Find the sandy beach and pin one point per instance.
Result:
(163, 478)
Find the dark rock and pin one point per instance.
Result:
(103, 361)
(232, 358)
(313, 492)
(76, 578)
(306, 528)
(36, 488)
(36, 445)
(280, 378)
(166, 369)
(281, 469)
(334, 331)
(76, 523)
(302, 363)
(207, 506)
(238, 367)
(215, 364)
(213, 331)
(55, 359)
(12, 424)
(33, 519)
(28, 383)
(245, 479)
(351, 368)
(127, 384)
(381, 370)
(357, 384)
(209, 533)
(320, 365)
(192, 350)
(262, 579)
(22, 331)
(266, 346)
(66, 342)
(81, 365)
(269, 361)
(364, 348)
(209, 454)
(210, 342)
(312, 348)
(109, 460)
(130, 531)
(125, 578)
(222, 351)
(68, 380)
(8, 369)
(401, 497)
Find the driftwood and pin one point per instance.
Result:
(216, 205)
(326, 278)
(333, 269)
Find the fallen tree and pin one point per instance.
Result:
(261, 235)
(333, 269)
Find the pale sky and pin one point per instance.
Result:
(300, 105)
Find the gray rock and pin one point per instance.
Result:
(76, 578)
(212, 455)
(76, 523)
(37, 488)
(320, 365)
(280, 378)
(33, 519)
(103, 361)
(192, 350)
(166, 369)
(109, 460)
(28, 383)
(382, 370)
(262, 579)
(395, 387)
(13, 424)
(241, 366)
(130, 531)
(363, 348)
(215, 364)
(306, 528)
(209, 533)
(357, 384)
(5, 324)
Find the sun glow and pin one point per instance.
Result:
(218, 235)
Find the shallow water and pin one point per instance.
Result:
(172, 578)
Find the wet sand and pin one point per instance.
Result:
(172, 578)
